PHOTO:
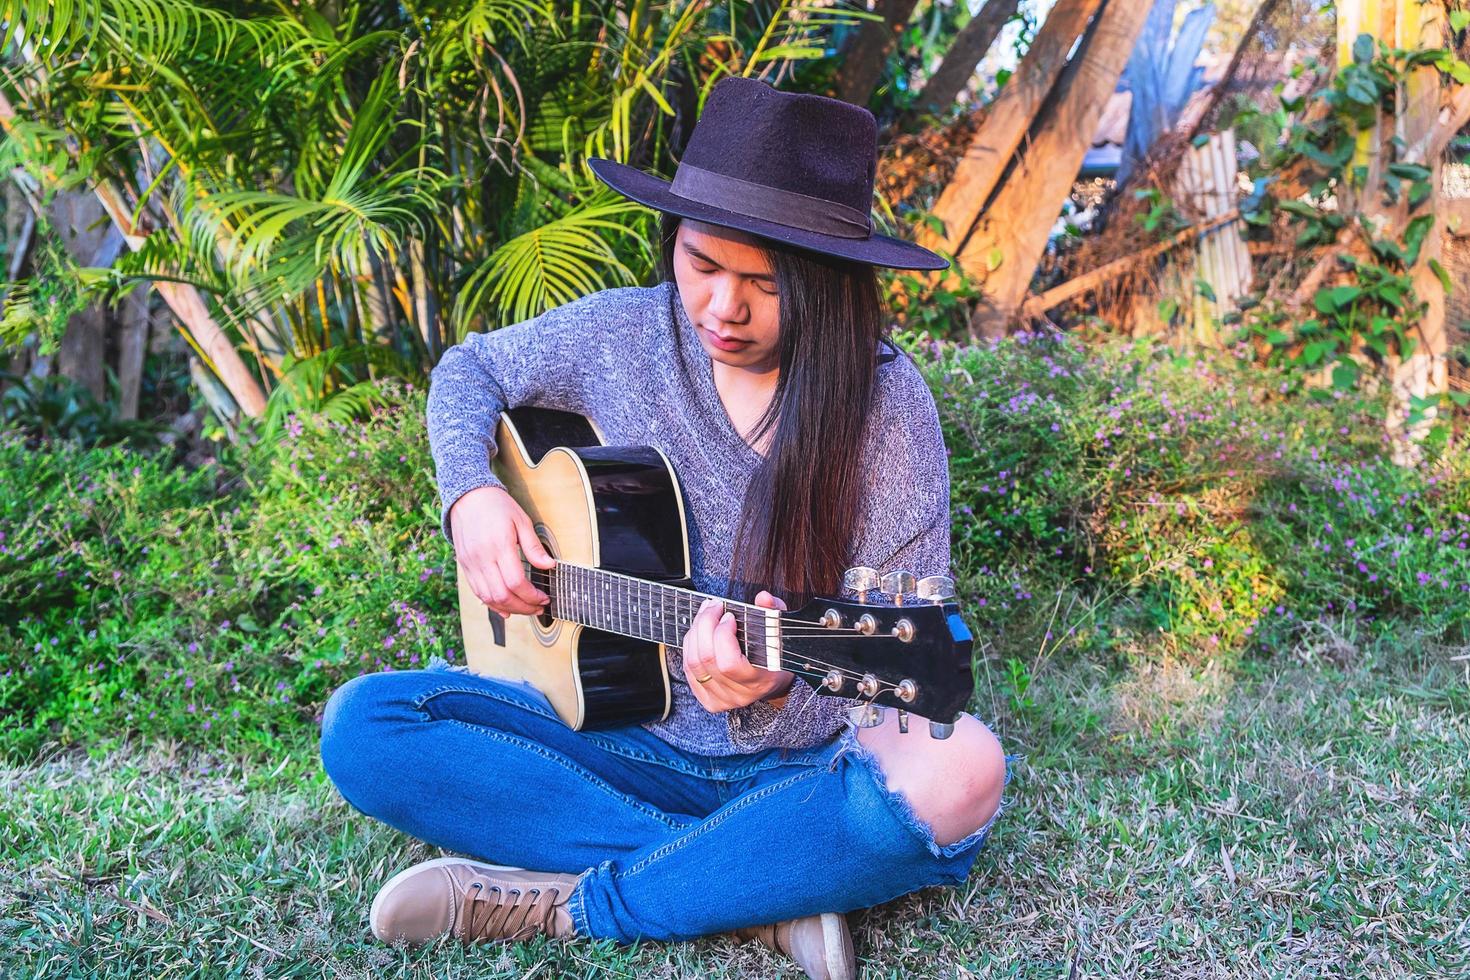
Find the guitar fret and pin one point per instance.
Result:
(654, 611)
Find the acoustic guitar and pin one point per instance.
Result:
(613, 518)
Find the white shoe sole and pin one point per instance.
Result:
(398, 879)
(834, 949)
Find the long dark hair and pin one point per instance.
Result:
(799, 519)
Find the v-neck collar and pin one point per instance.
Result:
(704, 380)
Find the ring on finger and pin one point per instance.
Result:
(705, 679)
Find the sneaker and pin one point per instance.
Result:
(471, 901)
(820, 944)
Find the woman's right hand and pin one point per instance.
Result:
(490, 532)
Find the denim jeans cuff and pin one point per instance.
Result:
(577, 902)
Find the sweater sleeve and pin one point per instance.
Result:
(554, 360)
(906, 526)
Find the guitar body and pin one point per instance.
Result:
(617, 508)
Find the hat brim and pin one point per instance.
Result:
(882, 250)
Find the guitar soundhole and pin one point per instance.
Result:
(544, 619)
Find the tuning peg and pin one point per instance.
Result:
(898, 583)
(938, 729)
(903, 722)
(866, 715)
(861, 580)
(935, 588)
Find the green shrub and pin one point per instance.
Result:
(1111, 501)
(1182, 499)
(56, 407)
(215, 606)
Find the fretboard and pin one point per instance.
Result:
(630, 606)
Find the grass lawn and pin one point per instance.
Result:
(1305, 818)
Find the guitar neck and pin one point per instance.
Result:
(630, 606)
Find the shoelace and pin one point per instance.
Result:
(478, 912)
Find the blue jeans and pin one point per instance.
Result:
(678, 845)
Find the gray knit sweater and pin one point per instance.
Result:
(613, 356)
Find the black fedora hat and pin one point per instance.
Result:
(787, 166)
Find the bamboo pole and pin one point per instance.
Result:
(1057, 295)
(1012, 233)
(1004, 126)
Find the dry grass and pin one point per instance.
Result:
(1308, 819)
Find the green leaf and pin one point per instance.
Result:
(1316, 350)
(1299, 208)
(1345, 375)
(1409, 171)
(1414, 236)
(1335, 298)
(1461, 398)
(1442, 273)
(657, 97)
(791, 52)
(1361, 92)
(1363, 49)
(994, 258)
(1458, 19)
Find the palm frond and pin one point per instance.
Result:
(550, 265)
(327, 383)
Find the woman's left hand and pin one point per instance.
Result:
(717, 671)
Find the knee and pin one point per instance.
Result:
(954, 785)
(347, 737)
(981, 772)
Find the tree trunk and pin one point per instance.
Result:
(958, 65)
(133, 320)
(865, 54)
(90, 241)
(1004, 126)
(1014, 229)
(184, 300)
(1425, 372)
(189, 306)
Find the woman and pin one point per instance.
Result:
(804, 444)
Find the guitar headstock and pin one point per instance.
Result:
(911, 652)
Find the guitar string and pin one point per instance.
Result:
(686, 594)
(594, 611)
(746, 614)
(750, 637)
(790, 625)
